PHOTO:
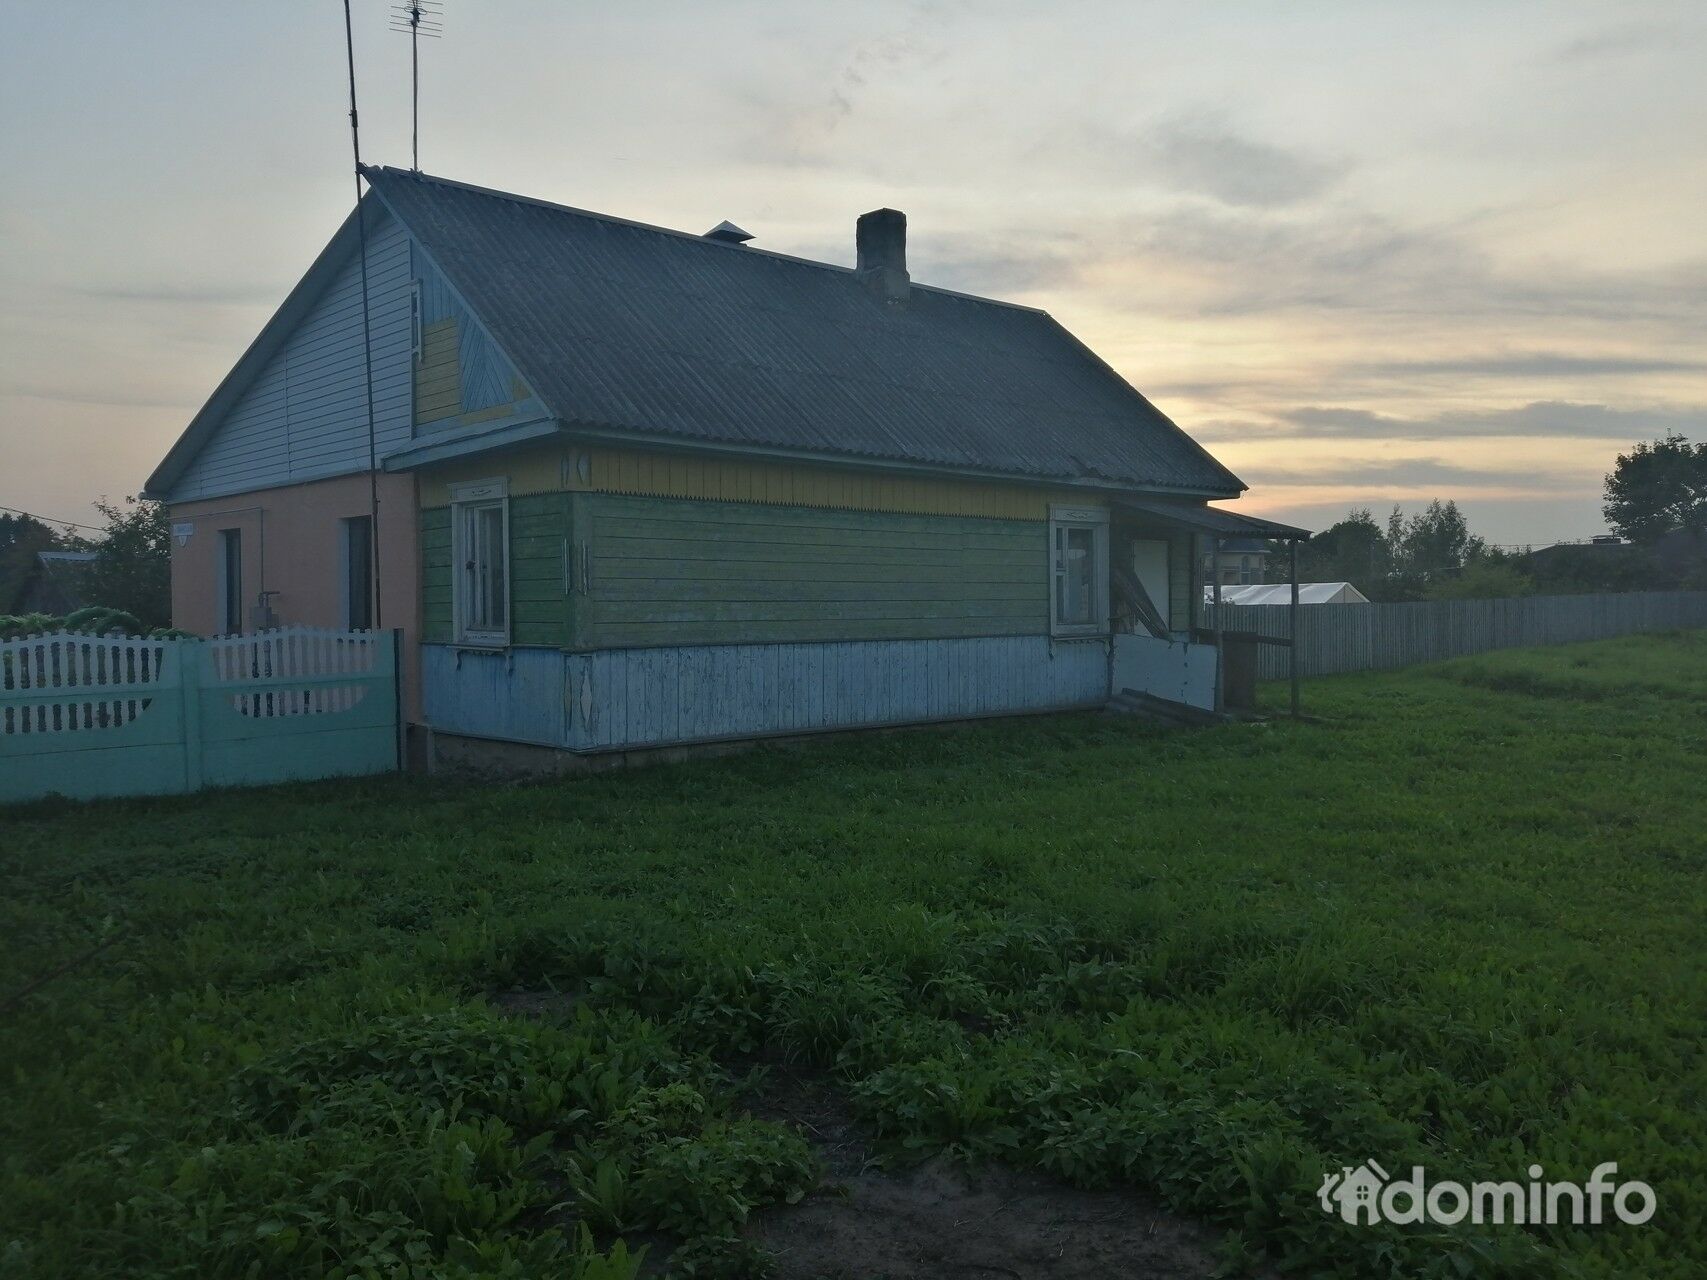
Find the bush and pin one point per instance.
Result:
(91, 620)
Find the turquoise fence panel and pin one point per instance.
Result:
(85, 716)
(297, 703)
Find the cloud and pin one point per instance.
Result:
(1200, 153)
(997, 267)
(1400, 473)
(239, 293)
(1531, 365)
(1235, 262)
(96, 397)
(795, 131)
(1547, 418)
(1617, 41)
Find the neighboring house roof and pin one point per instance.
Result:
(57, 582)
(1281, 593)
(1244, 546)
(676, 337)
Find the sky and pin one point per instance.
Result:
(1366, 253)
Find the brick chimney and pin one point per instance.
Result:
(881, 238)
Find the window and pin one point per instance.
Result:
(480, 554)
(1078, 542)
(230, 571)
(415, 325)
(358, 573)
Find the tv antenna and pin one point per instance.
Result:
(417, 18)
(360, 216)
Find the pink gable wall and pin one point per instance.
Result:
(292, 546)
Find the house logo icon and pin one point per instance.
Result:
(1352, 1192)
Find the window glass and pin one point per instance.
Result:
(490, 607)
(1075, 604)
(358, 573)
(231, 581)
(483, 595)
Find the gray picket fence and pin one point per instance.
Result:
(1333, 638)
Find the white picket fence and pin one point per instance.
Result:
(293, 653)
(1335, 638)
(101, 681)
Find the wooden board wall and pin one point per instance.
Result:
(659, 571)
(539, 604)
(667, 571)
(598, 469)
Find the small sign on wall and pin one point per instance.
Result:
(182, 529)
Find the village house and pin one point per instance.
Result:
(628, 488)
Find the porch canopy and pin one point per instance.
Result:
(1209, 520)
(1217, 525)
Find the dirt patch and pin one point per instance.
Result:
(938, 1220)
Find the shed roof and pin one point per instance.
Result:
(660, 333)
(1281, 593)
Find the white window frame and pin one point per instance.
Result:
(1095, 519)
(466, 498)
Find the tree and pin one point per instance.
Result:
(1428, 546)
(1353, 550)
(133, 561)
(21, 536)
(1490, 577)
(1658, 487)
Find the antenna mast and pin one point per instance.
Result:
(417, 18)
(367, 326)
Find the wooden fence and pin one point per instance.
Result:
(86, 716)
(1366, 637)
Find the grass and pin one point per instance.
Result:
(1455, 922)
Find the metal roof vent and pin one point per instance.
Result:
(728, 233)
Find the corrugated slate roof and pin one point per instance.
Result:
(619, 325)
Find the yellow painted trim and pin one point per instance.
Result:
(438, 378)
(549, 468)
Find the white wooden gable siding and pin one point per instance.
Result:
(305, 416)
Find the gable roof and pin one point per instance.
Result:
(673, 337)
(271, 339)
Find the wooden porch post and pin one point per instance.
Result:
(1292, 627)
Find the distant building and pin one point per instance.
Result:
(1242, 562)
(57, 583)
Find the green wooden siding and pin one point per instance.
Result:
(539, 605)
(435, 575)
(679, 572)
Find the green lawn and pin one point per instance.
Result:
(1457, 921)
